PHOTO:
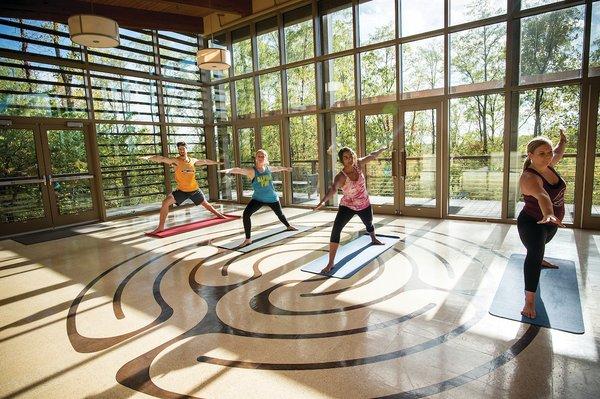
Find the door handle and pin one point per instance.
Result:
(403, 162)
(21, 181)
(72, 177)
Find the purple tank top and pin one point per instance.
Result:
(556, 192)
(355, 192)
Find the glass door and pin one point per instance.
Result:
(591, 214)
(227, 184)
(246, 140)
(419, 161)
(378, 129)
(69, 174)
(24, 199)
(46, 178)
(270, 140)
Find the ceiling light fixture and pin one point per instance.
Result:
(213, 58)
(93, 30)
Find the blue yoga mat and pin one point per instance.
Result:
(351, 257)
(260, 240)
(557, 302)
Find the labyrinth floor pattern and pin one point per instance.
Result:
(115, 314)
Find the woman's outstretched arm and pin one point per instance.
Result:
(159, 159)
(338, 182)
(372, 156)
(532, 185)
(206, 162)
(239, 171)
(280, 169)
(559, 150)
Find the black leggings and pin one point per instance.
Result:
(535, 237)
(254, 206)
(344, 215)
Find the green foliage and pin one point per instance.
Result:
(551, 42)
(378, 73)
(244, 93)
(270, 93)
(268, 49)
(242, 57)
(301, 87)
(299, 41)
(339, 37)
(127, 179)
(17, 151)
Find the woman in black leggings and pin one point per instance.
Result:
(543, 192)
(264, 192)
(354, 202)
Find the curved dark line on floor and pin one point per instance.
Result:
(461, 251)
(439, 257)
(380, 270)
(279, 242)
(261, 304)
(480, 246)
(432, 343)
(473, 374)
(225, 268)
(117, 309)
(339, 333)
(86, 344)
(135, 374)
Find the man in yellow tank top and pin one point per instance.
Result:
(187, 186)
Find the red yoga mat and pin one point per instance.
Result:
(184, 228)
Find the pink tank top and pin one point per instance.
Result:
(355, 192)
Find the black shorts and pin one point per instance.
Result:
(181, 196)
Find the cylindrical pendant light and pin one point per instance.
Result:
(214, 59)
(93, 31)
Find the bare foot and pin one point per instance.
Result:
(375, 241)
(529, 308)
(291, 228)
(247, 241)
(548, 265)
(157, 230)
(327, 268)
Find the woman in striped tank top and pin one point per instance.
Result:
(355, 200)
(544, 195)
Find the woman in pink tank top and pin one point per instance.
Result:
(355, 200)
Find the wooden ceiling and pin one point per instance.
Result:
(173, 15)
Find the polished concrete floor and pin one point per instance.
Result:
(111, 313)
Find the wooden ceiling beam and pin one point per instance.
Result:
(240, 7)
(60, 10)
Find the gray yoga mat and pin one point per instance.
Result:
(557, 301)
(352, 257)
(260, 240)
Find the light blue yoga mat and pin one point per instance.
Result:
(351, 257)
(557, 301)
(260, 240)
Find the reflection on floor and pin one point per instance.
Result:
(112, 313)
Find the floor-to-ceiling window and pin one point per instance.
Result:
(131, 100)
(368, 59)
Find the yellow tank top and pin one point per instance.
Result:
(185, 175)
